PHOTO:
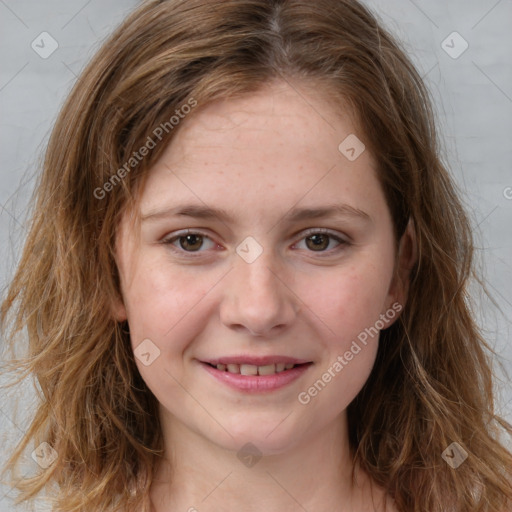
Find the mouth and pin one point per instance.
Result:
(251, 369)
(264, 377)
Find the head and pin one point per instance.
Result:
(242, 106)
(260, 158)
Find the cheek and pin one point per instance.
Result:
(166, 308)
(348, 305)
(347, 300)
(161, 303)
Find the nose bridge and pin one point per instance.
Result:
(257, 297)
(260, 277)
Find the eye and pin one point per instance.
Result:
(188, 241)
(318, 240)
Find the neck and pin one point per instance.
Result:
(198, 475)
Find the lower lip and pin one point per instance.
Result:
(257, 383)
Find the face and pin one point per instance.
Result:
(231, 268)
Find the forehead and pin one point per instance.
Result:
(277, 146)
(293, 115)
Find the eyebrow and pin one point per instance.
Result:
(295, 215)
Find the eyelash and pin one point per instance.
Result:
(195, 254)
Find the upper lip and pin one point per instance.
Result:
(255, 360)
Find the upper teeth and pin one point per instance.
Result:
(250, 369)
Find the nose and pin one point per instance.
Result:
(258, 298)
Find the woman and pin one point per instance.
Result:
(251, 271)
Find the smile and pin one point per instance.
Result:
(250, 369)
(256, 379)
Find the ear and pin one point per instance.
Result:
(406, 259)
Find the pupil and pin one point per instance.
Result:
(191, 240)
(319, 241)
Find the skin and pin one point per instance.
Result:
(258, 157)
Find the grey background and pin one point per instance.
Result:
(473, 98)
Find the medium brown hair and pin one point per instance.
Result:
(432, 381)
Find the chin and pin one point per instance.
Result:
(268, 439)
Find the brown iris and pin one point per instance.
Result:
(193, 242)
(319, 241)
